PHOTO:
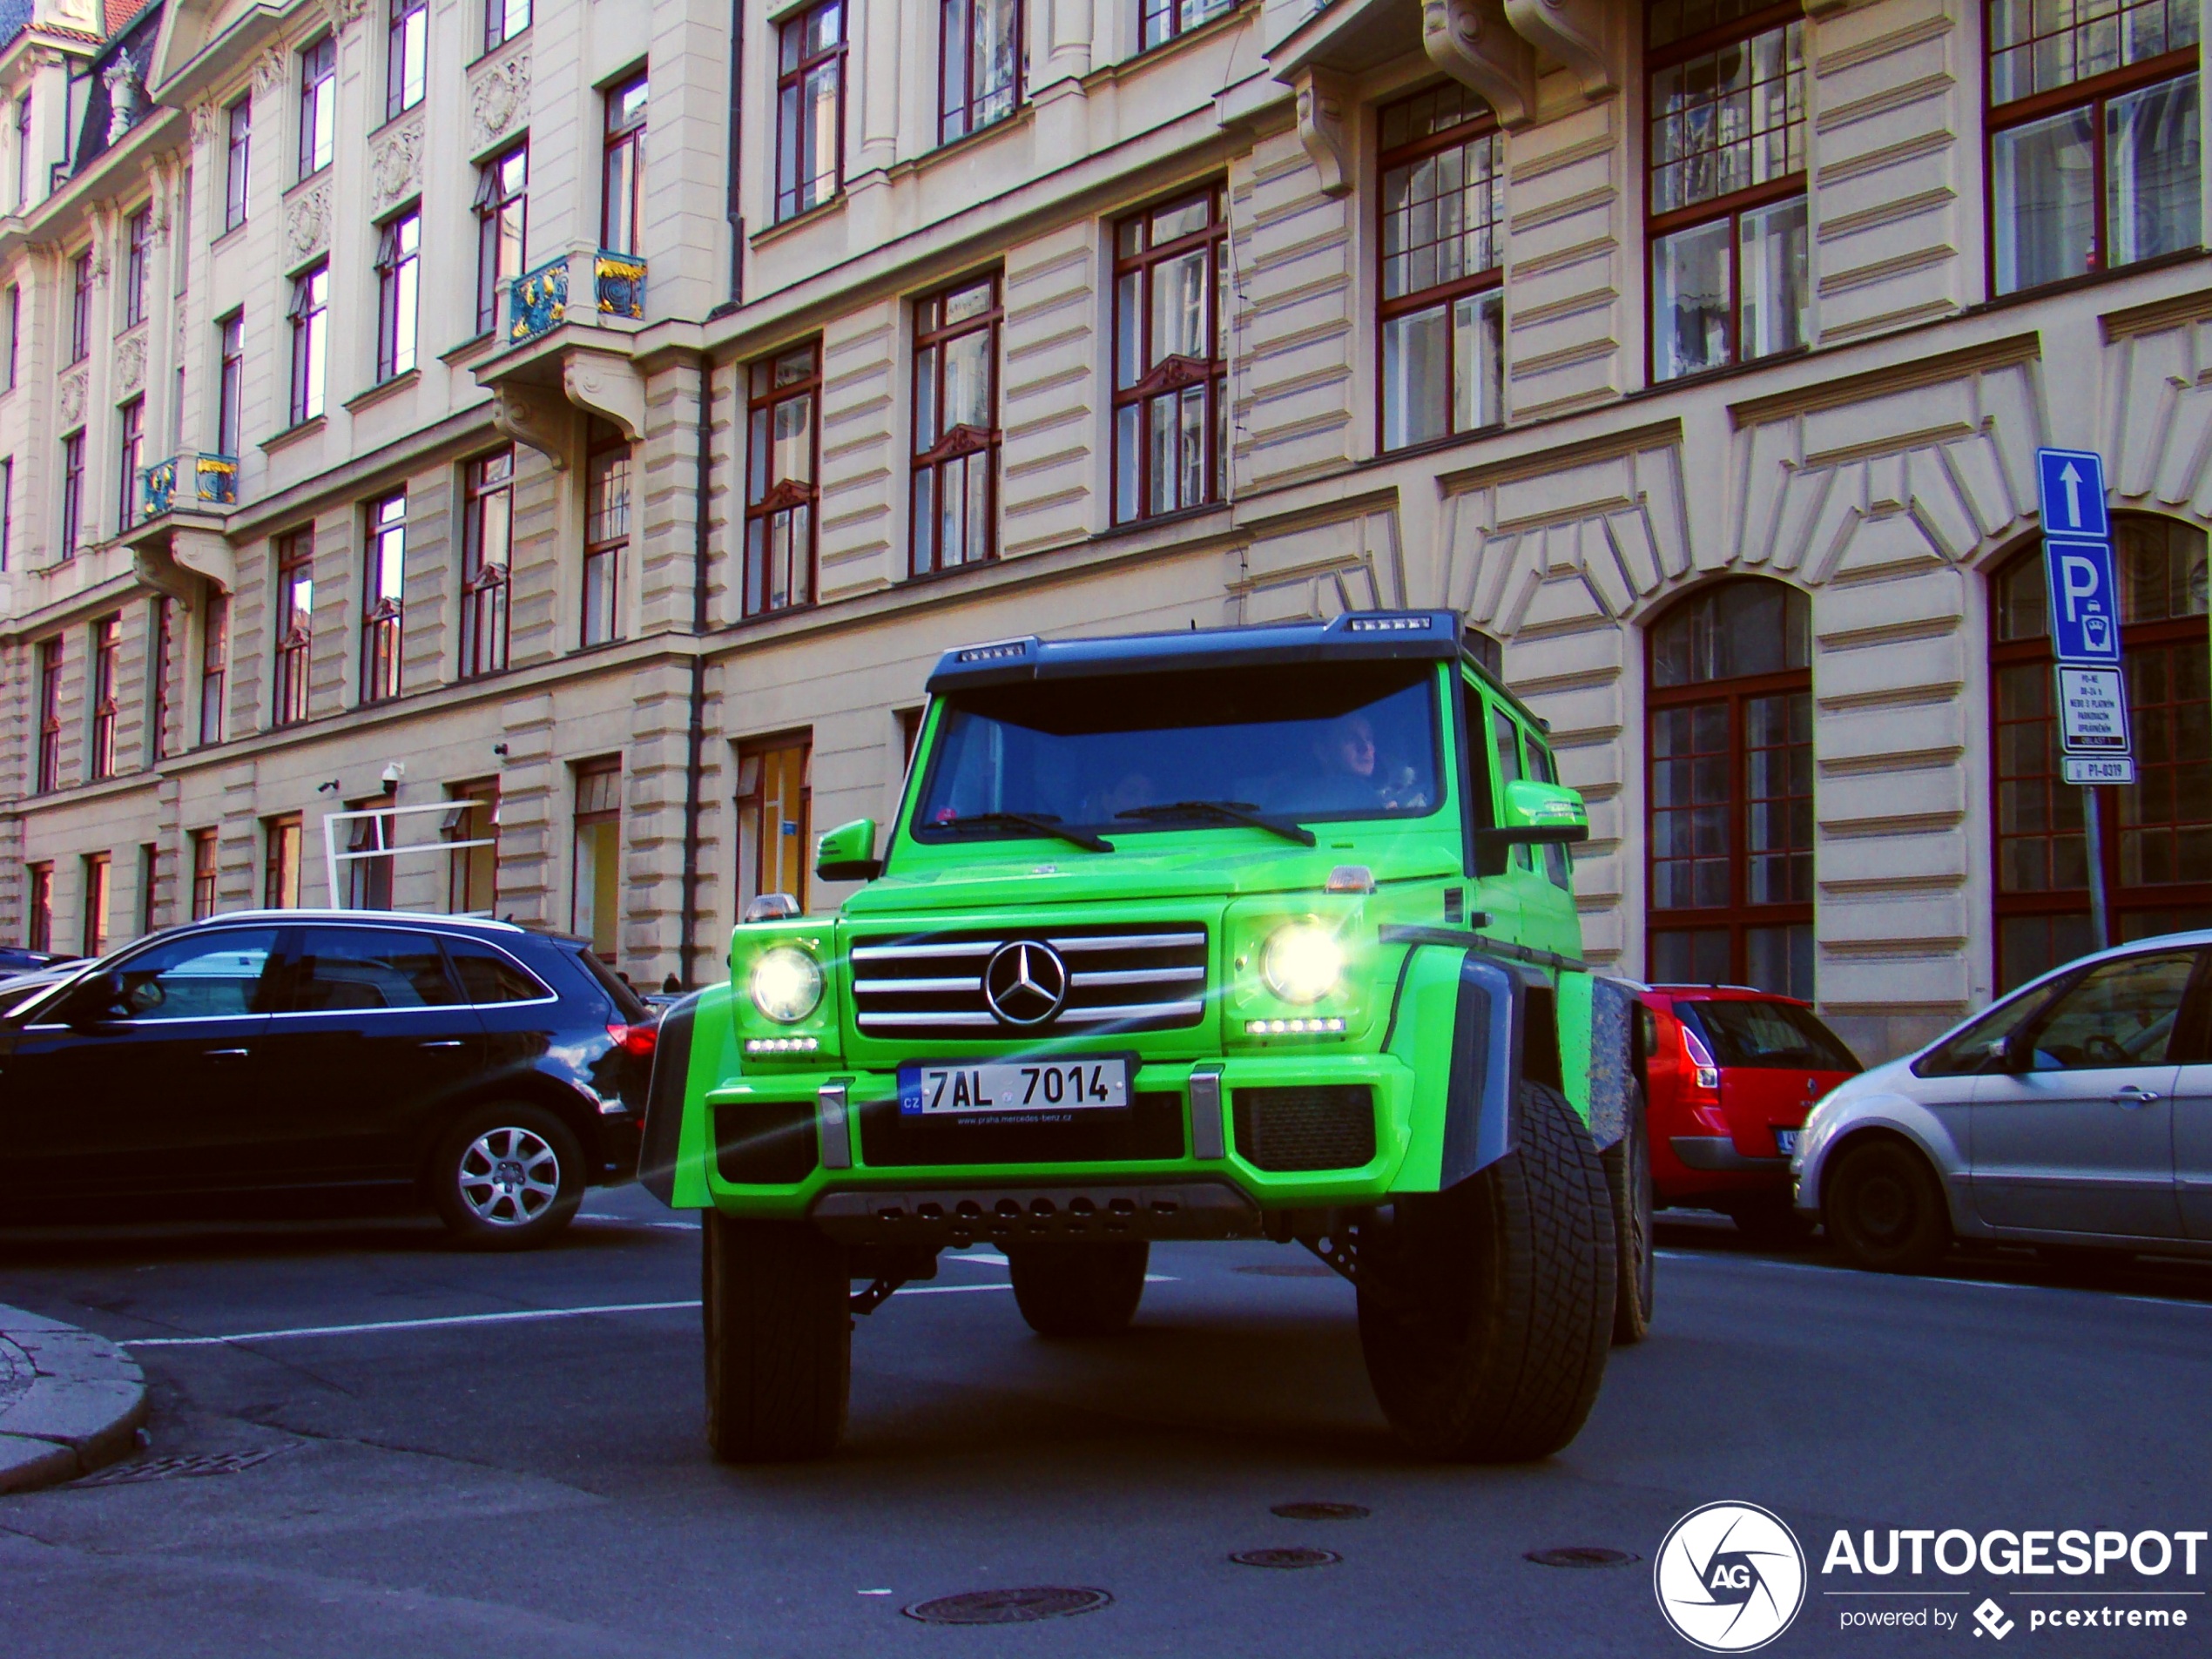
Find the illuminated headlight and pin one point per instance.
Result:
(786, 984)
(1302, 962)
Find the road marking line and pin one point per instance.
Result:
(1930, 1278)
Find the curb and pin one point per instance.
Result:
(70, 1402)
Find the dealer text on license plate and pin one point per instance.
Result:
(1014, 1087)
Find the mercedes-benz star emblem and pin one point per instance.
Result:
(1025, 982)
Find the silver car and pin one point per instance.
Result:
(2076, 1114)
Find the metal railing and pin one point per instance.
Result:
(190, 478)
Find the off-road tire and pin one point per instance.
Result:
(1627, 1178)
(1485, 1312)
(1771, 1222)
(456, 1171)
(773, 1297)
(1086, 1290)
(1884, 1207)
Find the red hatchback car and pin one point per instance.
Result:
(1730, 1075)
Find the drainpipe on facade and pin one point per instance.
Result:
(687, 936)
(734, 207)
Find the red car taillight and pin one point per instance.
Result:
(1703, 1073)
(635, 1039)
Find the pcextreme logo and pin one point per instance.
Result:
(1729, 1577)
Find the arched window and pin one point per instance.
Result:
(2157, 833)
(1728, 706)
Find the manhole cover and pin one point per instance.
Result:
(1288, 1270)
(1285, 1557)
(1008, 1607)
(1321, 1511)
(1581, 1556)
(175, 1468)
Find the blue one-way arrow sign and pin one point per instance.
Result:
(2071, 484)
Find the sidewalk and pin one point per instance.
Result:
(70, 1402)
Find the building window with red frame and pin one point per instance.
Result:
(230, 387)
(137, 240)
(203, 873)
(2157, 832)
(487, 546)
(1443, 310)
(296, 625)
(1729, 714)
(38, 908)
(99, 883)
(810, 108)
(214, 666)
(80, 307)
(956, 427)
(1725, 202)
(606, 532)
(503, 20)
(979, 65)
(130, 456)
(1164, 20)
(238, 163)
(1171, 357)
(399, 293)
(72, 492)
(775, 801)
(502, 228)
(782, 436)
(2093, 137)
(596, 881)
(407, 55)
(318, 105)
(107, 661)
(622, 198)
(473, 871)
(384, 597)
(283, 842)
(160, 665)
(310, 343)
(50, 714)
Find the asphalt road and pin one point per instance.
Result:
(436, 1475)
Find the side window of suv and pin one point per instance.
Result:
(1559, 865)
(203, 976)
(488, 975)
(345, 968)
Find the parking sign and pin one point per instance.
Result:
(2071, 484)
(2085, 600)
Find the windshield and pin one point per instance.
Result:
(1774, 1036)
(1292, 743)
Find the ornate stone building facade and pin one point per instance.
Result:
(596, 421)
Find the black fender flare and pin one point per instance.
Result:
(1491, 1043)
(665, 1095)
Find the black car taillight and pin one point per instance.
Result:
(636, 1040)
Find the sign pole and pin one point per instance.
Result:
(2100, 933)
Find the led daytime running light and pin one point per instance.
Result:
(1329, 1026)
(782, 1045)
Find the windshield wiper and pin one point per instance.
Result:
(1042, 823)
(1235, 811)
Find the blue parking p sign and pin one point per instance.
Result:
(2070, 484)
(2085, 600)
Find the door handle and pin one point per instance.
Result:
(2131, 1096)
(224, 1054)
(442, 1043)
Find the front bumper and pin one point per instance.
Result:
(1203, 1154)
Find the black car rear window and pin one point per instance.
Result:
(626, 1000)
(488, 977)
(1774, 1036)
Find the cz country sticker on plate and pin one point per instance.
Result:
(1785, 1140)
(1016, 1090)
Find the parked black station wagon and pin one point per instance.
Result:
(486, 1071)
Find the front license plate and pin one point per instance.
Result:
(1785, 1140)
(1014, 1091)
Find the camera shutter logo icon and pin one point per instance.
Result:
(1729, 1577)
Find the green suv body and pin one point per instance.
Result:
(1250, 933)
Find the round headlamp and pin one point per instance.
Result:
(786, 984)
(1302, 961)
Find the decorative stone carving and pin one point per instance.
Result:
(1574, 32)
(269, 71)
(202, 124)
(124, 95)
(131, 363)
(534, 416)
(608, 385)
(1471, 41)
(1320, 129)
(342, 12)
(499, 99)
(306, 224)
(396, 168)
(71, 403)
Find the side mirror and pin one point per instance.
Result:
(847, 853)
(2014, 1052)
(99, 998)
(1538, 814)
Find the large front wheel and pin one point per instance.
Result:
(1485, 1312)
(776, 1303)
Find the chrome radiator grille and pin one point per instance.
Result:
(932, 986)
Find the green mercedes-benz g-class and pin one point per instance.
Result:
(1260, 933)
